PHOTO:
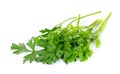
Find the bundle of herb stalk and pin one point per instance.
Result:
(69, 43)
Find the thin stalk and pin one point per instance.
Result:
(68, 20)
(91, 14)
(76, 18)
(103, 24)
(95, 23)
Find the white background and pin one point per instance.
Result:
(22, 19)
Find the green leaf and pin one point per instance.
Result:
(31, 43)
(30, 57)
(45, 30)
(46, 57)
(59, 53)
(19, 48)
(72, 58)
(85, 55)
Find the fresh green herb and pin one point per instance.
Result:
(67, 43)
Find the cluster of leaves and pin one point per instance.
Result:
(68, 43)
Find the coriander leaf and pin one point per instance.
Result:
(30, 57)
(31, 43)
(85, 55)
(59, 53)
(46, 57)
(72, 58)
(45, 30)
(20, 48)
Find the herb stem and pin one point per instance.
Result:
(90, 14)
(78, 18)
(103, 24)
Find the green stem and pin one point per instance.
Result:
(77, 18)
(95, 23)
(67, 20)
(91, 14)
(103, 24)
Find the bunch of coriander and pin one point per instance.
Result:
(68, 43)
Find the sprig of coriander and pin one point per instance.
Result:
(68, 43)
